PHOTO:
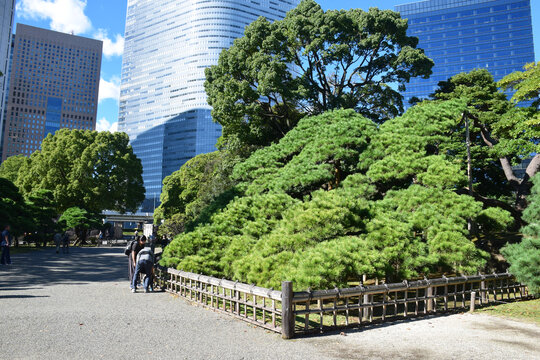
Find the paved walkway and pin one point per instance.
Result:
(79, 306)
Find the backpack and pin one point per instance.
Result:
(127, 250)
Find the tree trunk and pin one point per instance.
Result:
(525, 185)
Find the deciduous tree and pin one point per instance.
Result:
(188, 192)
(93, 170)
(13, 209)
(9, 169)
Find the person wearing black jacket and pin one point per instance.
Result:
(136, 247)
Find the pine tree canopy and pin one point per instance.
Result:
(338, 197)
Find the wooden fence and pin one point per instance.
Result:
(256, 305)
(291, 313)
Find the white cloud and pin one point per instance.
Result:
(65, 15)
(109, 89)
(104, 125)
(111, 47)
(68, 16)
(114, 127)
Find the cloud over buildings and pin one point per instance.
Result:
(109, 89)
(64, 15)
(68, 16)
(104, 125)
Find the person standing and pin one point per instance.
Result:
(65, 243)
(145, 265)
(5, 243)
(57, 241)
(135, 248)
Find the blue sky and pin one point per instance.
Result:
(105, 19)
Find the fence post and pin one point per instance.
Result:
(429, 300)
(287, 313)
(483, 292)
(365, 310)
(473, 300)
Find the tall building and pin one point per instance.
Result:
(462, 35)
(163, 107)
(7, 8)
(54, 83)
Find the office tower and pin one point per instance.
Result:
(7, 8)
(168, 45)
(54, 83)
(462, 35)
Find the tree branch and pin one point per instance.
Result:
(491, 142)
(534, 166)
(516, 214)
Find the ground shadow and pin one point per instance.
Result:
(22, 296)
(80, 266)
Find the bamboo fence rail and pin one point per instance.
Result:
(250, 303)
(292, 313)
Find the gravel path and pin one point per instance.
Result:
(79, 306)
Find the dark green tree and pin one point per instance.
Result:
(43, 210)
(80, 221)
(310, 62)
(94, 170)
(13, 209)
(524, 257)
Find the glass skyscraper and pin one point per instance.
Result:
(168, 45)
(53, 84)
(462, 35)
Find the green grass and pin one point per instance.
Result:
(521, 310)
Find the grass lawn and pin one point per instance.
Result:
(522, 310)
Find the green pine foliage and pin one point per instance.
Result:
(339, 197)
(207, 249)
(319, 153)
(524, 257)
(526, 84)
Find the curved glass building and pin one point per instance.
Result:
(168, 45)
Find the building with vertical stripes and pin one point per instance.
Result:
(53, 84)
